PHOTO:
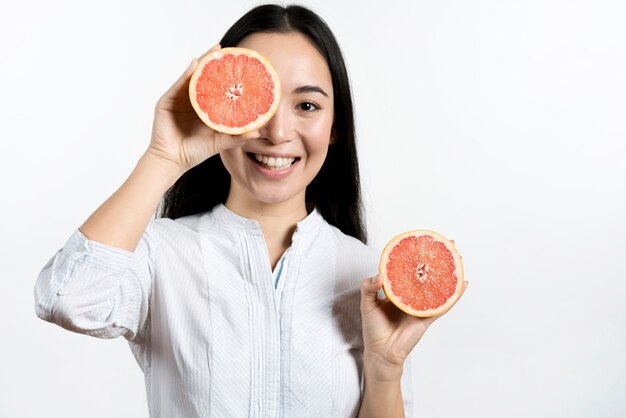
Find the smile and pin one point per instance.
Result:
(273, 163)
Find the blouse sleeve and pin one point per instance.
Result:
(95, 289)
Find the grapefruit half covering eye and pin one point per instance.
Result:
(422, 273)
(234, 90)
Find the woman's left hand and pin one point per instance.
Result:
(389, 334)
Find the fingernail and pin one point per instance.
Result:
(374, 279)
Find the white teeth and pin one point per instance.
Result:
(275, 163)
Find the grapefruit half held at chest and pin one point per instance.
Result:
(422, 273)
(234, 90)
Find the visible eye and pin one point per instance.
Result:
(308, 106)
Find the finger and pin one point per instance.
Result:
(369, 291)
(226, 141)
(249, 135)
(183, 81)
(180, 87)
(213, 48)
(182, 84)
(465, 283)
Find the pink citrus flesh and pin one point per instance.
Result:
(422, 273)
(234, 90)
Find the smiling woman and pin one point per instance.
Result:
(292, 147)
(335, 192)
(252, 294)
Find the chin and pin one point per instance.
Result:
(271, 197)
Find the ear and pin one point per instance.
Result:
(333, 136)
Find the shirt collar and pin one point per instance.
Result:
(223, 214)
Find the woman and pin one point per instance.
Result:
(244, 299)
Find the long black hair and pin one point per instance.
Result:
(336, 190)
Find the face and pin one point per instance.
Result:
(277, 167)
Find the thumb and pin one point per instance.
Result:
(181, 85)
(369, 292)
(213, 48)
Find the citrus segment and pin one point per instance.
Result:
(422, 273)
(234, 90)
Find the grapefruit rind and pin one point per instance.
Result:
(458, 271)
(262, 119)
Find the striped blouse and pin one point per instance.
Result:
(213, 331)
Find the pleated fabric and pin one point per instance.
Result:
(213, 335)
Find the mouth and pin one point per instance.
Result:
(273, 163)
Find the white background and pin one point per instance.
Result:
(500, 124)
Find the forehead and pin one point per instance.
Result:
(294, 57)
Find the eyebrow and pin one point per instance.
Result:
(309, 89)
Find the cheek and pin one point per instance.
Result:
(229, 159)
(318, 135)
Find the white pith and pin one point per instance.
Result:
(275, 163)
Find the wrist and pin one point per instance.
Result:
(378, 369)
(164, 170)
(381, 398)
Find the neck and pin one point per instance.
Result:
(272, 214)
(278, 221)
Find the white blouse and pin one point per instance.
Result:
(213, 335)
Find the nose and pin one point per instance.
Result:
(280, 128)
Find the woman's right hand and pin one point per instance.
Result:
(179, 137)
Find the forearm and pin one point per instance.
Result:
(382, 393)
(122, 219)
(382, 400)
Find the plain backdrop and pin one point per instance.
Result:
(500, 124)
